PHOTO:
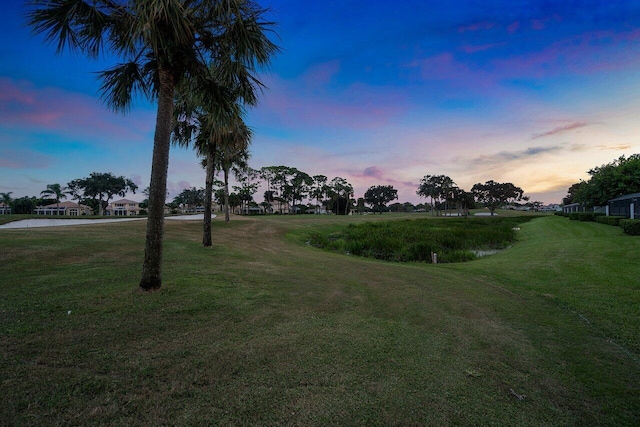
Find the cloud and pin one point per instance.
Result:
(559, 129)
(321, 74)
(477, 26)
(509, 156)
(620, 147)
(24, 159)
(481, 48)
(28, 108)
(373, 172)
(295, 105)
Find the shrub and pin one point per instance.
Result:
(573, 216)
(631, 226)
(586, 216)
(610, 220)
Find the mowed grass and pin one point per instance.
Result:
(262, 329)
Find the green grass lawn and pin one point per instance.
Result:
(263, 329)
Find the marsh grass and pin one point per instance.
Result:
(452, 239)
(262, 329)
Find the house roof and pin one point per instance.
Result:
(626, 196)
(64, 205)
(124, 201)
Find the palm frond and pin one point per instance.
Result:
(121, 83)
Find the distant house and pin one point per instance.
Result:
(627, 206)
(5, 209)
(63, 208)
(550, 208)
(579, 207)
(123, 207)
(573, 207)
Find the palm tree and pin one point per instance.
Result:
(57, 193)
(233, 152)
(6, 199)
(162, 42)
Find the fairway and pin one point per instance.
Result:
(263, 329)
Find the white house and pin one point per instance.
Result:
(123, 207)
(63, 208)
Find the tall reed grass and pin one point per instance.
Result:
(452, 239)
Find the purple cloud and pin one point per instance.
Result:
(559, 129)
(50, 109)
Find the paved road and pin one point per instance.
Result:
(49, 222)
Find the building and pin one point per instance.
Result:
(63, 208)
(627, 206)
(5, 209)
(123, 207)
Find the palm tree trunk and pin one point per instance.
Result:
(226, 194)
(152, 266)
(208, 195)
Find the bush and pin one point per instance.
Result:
(584, 216)
(631, 226)
(610, 220)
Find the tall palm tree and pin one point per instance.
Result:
(162, 42)
(203, 124)
(57, 193)
(233, 152)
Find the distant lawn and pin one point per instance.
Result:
(262, 329)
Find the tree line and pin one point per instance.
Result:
(287, 187)
(617, 178)
(94, 191)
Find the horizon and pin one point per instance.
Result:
(379, 94)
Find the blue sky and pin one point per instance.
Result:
(380, 93)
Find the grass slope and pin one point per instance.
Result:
(262, 329)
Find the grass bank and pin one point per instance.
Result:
(264, 330)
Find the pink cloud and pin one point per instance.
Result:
(583, 54)
(321, 74)
(50, 109)
(513, 27)
(480, 48)
(358, 106)
(560, 129)
(537, 24)
(477, 26)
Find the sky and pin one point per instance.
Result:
(531, 92)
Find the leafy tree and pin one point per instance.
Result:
(378, 196)
(100, 188)
(494, 194)
(615, 179)
(573, 192)
(24, 205)
(190, 198)
(162, 42)
(340, 191)
(291, 184)
(297, 187)
(318, 190)
(438, 188)
(55, 192)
